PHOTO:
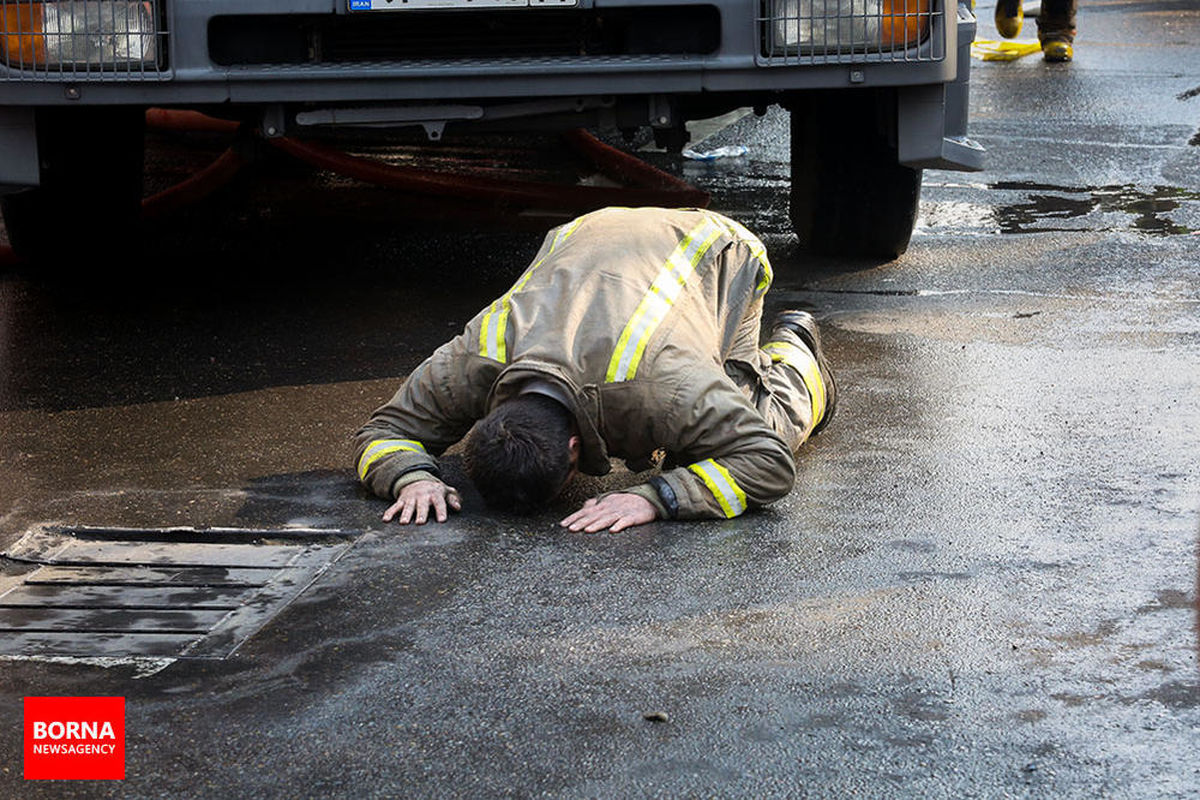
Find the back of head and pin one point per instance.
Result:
(519, 455)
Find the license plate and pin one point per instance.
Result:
(408, 5)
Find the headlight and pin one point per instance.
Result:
(843, 25)
(91, 33)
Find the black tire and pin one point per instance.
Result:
(849, 195)
(88, 205)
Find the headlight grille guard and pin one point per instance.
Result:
(83, 41)
(812, 32)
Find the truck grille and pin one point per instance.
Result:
(82, 40)
(438, 35)
(798, 32)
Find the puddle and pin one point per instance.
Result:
(1048, 208)
(1147, 207)
(175, 593)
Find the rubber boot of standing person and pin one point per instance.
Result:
(1055, 21)
(1056, 29)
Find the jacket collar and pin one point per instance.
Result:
(538, 377)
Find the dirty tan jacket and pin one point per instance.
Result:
(647, 322)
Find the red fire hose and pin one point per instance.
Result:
(525, 193)
(646, 185)
(166, 119)
(195, 188)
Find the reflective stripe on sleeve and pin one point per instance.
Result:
(659, 299)
(493, 332)
(757, 249)
(729, 495)
(382, 447)
(799, 359)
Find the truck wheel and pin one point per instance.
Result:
(88, 205)
(849, 195)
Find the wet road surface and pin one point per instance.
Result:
(984, 583)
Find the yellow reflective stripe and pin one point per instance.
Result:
(757, 249)
(799, 359)
(485, 328)
(768, 274)
(380, 448)
(493, 331)
(659, 299)
(729, 495)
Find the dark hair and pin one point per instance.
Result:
(519, 455)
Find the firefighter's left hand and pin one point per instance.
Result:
(616, 512)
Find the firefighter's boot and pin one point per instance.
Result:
(1056, 30)
(1057, 50)
(1009, 16)
(804, 325)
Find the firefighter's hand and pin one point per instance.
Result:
(418, 497)
(616, 512)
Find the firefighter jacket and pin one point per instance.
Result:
(646, 323)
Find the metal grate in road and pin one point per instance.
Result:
(185, 593)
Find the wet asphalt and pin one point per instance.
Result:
(983, 585)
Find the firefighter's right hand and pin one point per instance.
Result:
(418, 497)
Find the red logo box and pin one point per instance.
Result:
(74, 738)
